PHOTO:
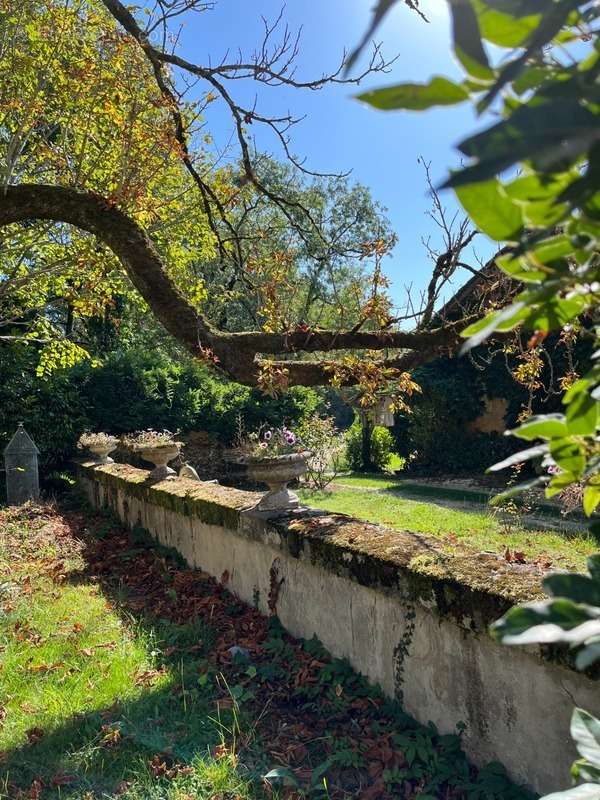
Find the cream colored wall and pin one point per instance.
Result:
(516, 706)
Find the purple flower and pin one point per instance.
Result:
(268, 435)
(263, 445)
(290, 438)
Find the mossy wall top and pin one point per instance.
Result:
(471, 589)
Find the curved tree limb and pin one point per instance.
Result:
(235, 353)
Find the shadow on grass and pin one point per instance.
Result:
(207, 723)
(177, 728)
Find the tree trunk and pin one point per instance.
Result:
(367, 432)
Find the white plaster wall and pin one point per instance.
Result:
(516, 706)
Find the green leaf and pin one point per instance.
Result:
(568, 455)
(520, 8)
(498, 499)
(503, 29)
(549, 26)
(587, 656)
(281, 776)
(582, 415)
(543, 426)
(555, 312)
(593, 565)
(416, 96)
(520, 457)
(591, 498)
(540, 622)
(552, 249)
(467, 40)
(379, 12)
(579, 588)
(549, 130)
(582, 385)
(531, 187)
(519, 269)
(504, 320)
(559, 483)
(492, 210)
(585, 730)
(587, 791)
(531, 78)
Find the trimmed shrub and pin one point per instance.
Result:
(132, 390)
(382, 447)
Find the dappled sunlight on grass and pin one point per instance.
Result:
(127, 674)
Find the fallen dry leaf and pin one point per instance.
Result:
(34, 735)
(60, 779)
(35, 789)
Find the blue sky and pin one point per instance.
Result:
(339, 133)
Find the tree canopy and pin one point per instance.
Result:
(104, 163)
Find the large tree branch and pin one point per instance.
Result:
(235, 353)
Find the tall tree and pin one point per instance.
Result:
(121, 203)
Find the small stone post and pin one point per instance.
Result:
(21, 464)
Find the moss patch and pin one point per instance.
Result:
(211, 503)
(472, 589)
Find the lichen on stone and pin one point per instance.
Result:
(471, 589)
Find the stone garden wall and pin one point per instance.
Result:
(403, 612)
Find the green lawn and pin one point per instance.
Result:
(480, 530)
(117, 681)
(91, 704)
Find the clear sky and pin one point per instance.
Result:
(339, 133)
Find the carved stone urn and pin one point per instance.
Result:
(101, 451)
(160, 455)
(277, 472)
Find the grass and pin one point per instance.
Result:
(479, 530)
(117, 681)
(89, 701)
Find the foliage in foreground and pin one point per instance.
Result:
(570, 616)
(125, 685)
(545, 80)
(545, 86)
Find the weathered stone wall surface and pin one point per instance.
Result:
(393, 603)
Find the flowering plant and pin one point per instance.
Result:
(149, 438)
(272, 442)
(89, 439)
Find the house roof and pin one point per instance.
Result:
(487, 288)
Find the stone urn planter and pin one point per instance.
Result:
(160, 455)
(99, 445)
(101, 451)
(277, 472)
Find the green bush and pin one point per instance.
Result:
(132, 390)
(382, 447)
(54, 412)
